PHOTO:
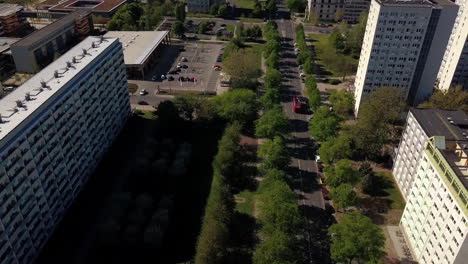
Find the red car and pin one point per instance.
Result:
(299, 104)
(320, 167)
(325, 193)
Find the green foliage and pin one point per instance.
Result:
(126, 17)
(191, 106)
(253, 33)
(279, 248)
(272, 79)
(344, 196)
(273, 61)
(356, 238)
(202, 27)
(342, 102)
(375, 124)
(214, 9)
(296, 5)
(273, 123)
(180, 12)
(178, 28)
(167, 112)
(324, 124)
(138, 16)
(258, 9)
(237, 105)
(335, 149)
(274, 154)
(314, 99)
(223, 10)
(336, 39)
(239, 30)
(454, 99)
(270, 99)
(242, 66)
(270, 7)
(271, 46)
(342, 173)
(271, 177)
(309, 65)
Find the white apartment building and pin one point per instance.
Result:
(403, 47)
(324, 9)
(54, 129)
(422, 124)
(435, 217)
(454, 68)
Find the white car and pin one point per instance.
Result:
(317, 158)
(143, 92)
(295, 44)
(183, 59)
(302, 75)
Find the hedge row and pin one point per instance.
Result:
(214, 236)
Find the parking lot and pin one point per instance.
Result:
(196, 71)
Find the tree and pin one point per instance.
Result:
(242, 66)
(180, 12)
(342, 102)
(270, 7)
(188, 104)
(356, 238)
(273, 123)
(453, 99)
(315, 99)
(167, 111)
(257, 10)
(324, 124)
(339, 15)
(341, 173)
(344, 196)
(309, 65)
(336, 39)
(278, 248)
(273, 61)
(223, 10)
(296, 5)
(270, 99)
(214, 9)
(335, 149)
(272, 46)
(272, 79)
(253, 32)
(178, 28)
(274, 154)
(313, 18)
(202, 27)
(237, 105)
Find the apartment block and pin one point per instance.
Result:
(435, 218)
(39, 48)
(403, 47)
(11, 20)
(421, 125)
(325, 9)
(454, 69)
(54, 130)
(202, 6)
(353, 9)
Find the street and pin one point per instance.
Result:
(303, 168)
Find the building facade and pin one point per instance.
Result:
(353, 9)
(422, 124)
(38, 49)
(201, 6)
(11, 21)
(454, 68)
(333, 10)
(435, 217)
(54, 129)
(403, 47)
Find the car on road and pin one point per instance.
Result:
(163, 77)
(154, 78)
(170, 78)
(8, 88)
(300, 67)
(173, 72)
(183, 59)
(317, 159)
(184, 66)
(302, 75)
(142, 103)
(325, 193)
(219, 59)
(320, 167)
(217, 68)
(143, 92)
(300, 104)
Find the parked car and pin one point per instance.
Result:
(325, 193)
(300, 67)
(143, 92)
(219, 59)
(173, 72)
(163, 77)
(217, 68)
(320, 167)
(300, 104)
(317, 159)
(295, 44)
(154, 78)
(223, 25)
(142, 103)
(184, 66)
(183, 59)
(182, 49)
(302, 75)
(8, 88)
(170, 78)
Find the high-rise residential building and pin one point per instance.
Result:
(331, 10)
(40, 47)
(422, 124)
(11, 21)
(454, 69)
(353, 9)
(436, 213)
(403, 47)
(54, 129)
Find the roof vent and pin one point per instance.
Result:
(56, 74)
(451, 122)
(93, 45)
(449, 118)
(85, 52)
(43, 84)
(1, 120)
(101, 38)
(74, 60)
(27, 97)
(69, 64)
(19, 103)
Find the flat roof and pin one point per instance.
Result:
(138, 45)
(6, 42)
(452, 124)
(93, 5)
(12, 118)
(55, 26)
(416, 3)
(8, 9)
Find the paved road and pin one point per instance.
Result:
(303, 168)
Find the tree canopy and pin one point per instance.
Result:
(342, 102)
(344, 196)
(242, 66)
(341, 173)
(454, 99)
(324, 124)
(336, 149)
(237, 105)
(272, 123)
(274, 154)
(278, 248)
(356, 238)
(272, 79)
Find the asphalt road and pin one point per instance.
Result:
(303, 168)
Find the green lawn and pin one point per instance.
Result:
(247, 4)
(326, 55)
(251, 20)
(397, 201)
(245, 202)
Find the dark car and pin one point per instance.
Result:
(142, 103)
(170, 78)
(223, 25)
(219, 59)
(182, 49)
(325, 193)
(300, 104)
(173, 72)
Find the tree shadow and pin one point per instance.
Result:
(242, 239)
(378, 186)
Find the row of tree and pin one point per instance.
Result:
(139, 16)
(305, 57)
(264, 8)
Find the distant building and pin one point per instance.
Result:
(353, 9)
(39, 48)
(141, 50)
(454, 68)
(422, 124)
(6, 59)
(403, 47)
(202, 6)
(54, 130)
(12, 22)
(104, 8)
(327, 10)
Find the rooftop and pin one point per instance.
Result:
(51, 28)
(8, 9)
(6, 42)
(16, 107)
(92, 5)
(138, 45)
(416, 3)
(453, 125)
